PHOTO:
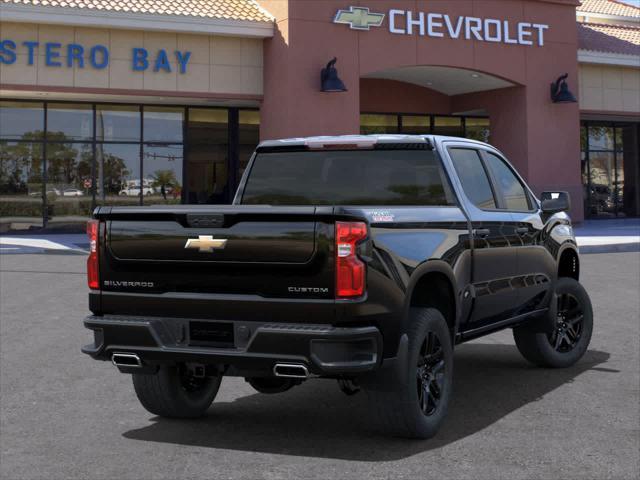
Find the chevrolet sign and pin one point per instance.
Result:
(441, 25)
(359, 18)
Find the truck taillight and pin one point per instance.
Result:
(350, 270)
(93, 229)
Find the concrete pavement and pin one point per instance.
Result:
(65, 416)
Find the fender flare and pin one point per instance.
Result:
(431, 266)
(395, 369)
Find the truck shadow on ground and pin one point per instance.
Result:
(317, 420)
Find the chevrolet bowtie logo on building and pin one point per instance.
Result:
(206, 243)
(359, 18)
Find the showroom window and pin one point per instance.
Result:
(59, 160)
(476, 128)
(373, 123)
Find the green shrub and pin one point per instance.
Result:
(32, 206)
(20, 207)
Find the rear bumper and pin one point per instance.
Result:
(325, 350)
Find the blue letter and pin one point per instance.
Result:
(75, 52)
(31, 46)
(51, 53)
(162, 62)
(94, 53)
(140, 62)
(7, 53)
(183, 59)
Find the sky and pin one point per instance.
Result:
(635, 3)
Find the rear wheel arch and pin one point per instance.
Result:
(434, 286)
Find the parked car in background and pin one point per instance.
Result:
(50, 191)
(72, 192)
(134, 190)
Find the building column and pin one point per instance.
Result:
(293, 103)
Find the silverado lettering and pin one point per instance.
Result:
(124, 283)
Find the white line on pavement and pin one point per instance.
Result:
(32, 242)
(621, 240)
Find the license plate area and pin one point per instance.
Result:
(211, 334)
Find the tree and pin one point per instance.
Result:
(115, 173)
(164, 179)
(20, 165)
(61, 162)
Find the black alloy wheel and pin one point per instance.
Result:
(569, 324)
(430, 374)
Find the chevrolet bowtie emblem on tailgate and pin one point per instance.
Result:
(206, 243)
(359, 18)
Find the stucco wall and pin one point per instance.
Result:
(221, 65)
(378, 95)
(609, 88)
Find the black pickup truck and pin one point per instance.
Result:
(360, 258)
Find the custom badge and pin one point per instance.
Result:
(380, 216)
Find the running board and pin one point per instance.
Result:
(494, 327)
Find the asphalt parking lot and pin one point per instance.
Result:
(66, 416)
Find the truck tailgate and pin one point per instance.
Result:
(244, 240)
(275, 252)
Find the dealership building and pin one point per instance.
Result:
(108, 102)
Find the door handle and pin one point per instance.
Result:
(481, 232)
(522, 231)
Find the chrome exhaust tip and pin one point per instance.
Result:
(130, 360)
(290, 370)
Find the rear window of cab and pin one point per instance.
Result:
(352, 177)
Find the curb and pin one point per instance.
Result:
(51, 251)
(45, 251)
(619, 248)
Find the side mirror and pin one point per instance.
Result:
(554, 202)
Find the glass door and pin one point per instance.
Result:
(207, 153)
(610, 169)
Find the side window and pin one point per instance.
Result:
(513, 192)
(473, 177)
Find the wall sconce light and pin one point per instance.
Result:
(560, 92)
(329, 80)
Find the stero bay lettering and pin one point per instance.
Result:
(141, 60)
(97, 56)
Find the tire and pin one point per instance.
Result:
(570, 339)
(402, 408)
(271, 385)
(173, 393)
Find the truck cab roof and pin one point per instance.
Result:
(359, 141)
